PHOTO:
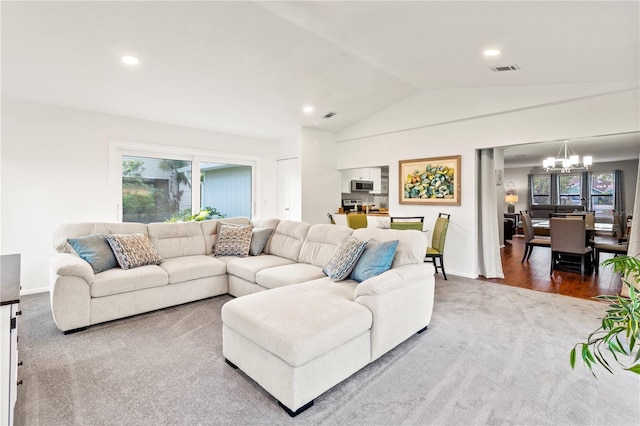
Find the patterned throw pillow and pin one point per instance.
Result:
(95, 250)
(342, 263)
(233, 240)
(133, 250)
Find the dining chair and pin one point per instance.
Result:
(356, 221)
(436, 251)
(530, 239)
(568, 238)
(621, 248)
(618, 228)
(407, 222)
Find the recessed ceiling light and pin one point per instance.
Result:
(492, 52)
(308, 109)
(129, 60)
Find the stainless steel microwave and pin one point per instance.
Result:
(361, 185)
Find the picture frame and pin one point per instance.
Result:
(430, 181)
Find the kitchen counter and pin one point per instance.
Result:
(371, 213)
(374, 220)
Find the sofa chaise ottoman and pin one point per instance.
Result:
(299, 340)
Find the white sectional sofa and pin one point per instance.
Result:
(297, 340)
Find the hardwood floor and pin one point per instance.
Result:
(534, 274)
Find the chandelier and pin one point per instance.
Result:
(566, 160)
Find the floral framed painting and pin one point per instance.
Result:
(430, 181)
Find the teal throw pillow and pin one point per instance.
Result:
(342, 263)
(95, 250)
(377, 258)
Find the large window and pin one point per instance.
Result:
(541, 189)
(595, 191)
(155, 189)
(226, 187)
(159, 186)
(570, 189)
(602, 195)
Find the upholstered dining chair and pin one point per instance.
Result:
(436, 251)
(622, 248)
(407, 222)
(356, 221)
(619, 228)
(530, 240)
(568, 237)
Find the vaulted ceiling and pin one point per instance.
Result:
(250, 67)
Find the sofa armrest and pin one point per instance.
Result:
(401, 301)
(393, 279)
(66, 264)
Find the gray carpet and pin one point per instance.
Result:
(493, 354)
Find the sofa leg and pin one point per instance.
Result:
(75, 330)
(422, 330)
(235, 367)
(298, 411)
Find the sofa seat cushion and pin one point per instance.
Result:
(187, 268)
(300, 322)
(288, 274)
(116, 280)
(247, 267)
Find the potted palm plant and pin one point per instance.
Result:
(618, 337)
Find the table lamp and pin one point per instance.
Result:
(511, 200)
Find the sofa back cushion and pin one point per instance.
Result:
(322, 243)
(271, 223)
(287, 239)
(541, 211)
(75, 230)
(412, 244)
(176, 239)
(210, 229)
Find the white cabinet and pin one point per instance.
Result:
(345, 181)
(9, 298)
(375, 175)
(361, 174)
(366, 173)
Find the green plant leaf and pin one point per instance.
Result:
(634, 369)
(572, 357)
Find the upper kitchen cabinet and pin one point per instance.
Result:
(369, 174)
(375, 175)
(361, 174)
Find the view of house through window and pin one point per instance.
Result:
(541, 190)
(227, 188)
(570, 189)
(602, 192)
(154, 189)
(161, 189)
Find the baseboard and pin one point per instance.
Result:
(34, 291)
(458, 274)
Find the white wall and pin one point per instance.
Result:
(441, 122)
(519, 177)
(320, 176)
(54, 170)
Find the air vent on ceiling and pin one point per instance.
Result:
(505, 68)
(329, 115)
